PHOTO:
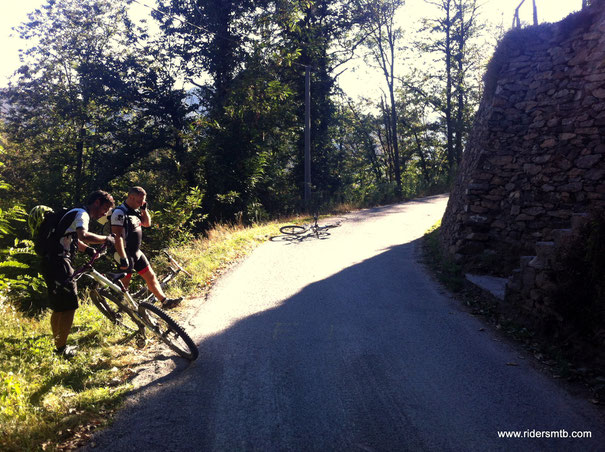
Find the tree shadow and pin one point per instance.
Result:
(373, 357)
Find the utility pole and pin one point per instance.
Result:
(307, 137)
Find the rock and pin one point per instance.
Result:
(588, 161)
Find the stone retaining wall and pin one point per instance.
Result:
(536, 155)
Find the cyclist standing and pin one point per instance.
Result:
(71, 236)
(127, 223)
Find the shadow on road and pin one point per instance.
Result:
(374, 357)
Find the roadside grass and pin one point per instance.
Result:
(48, 403)
(205, 258)
(46, 400)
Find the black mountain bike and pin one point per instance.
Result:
(115, 302)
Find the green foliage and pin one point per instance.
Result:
(177, 220)
(42, 395)
(89, 101)
(18, 275)
(83, 114)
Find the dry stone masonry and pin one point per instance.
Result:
(536, 155)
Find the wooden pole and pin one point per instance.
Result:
(307, 137)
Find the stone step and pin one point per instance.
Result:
(492, 284)
(545, 252)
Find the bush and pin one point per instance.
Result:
(176, 222)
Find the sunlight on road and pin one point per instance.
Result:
(278, 271)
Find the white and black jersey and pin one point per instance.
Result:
(73, 220)
(130, 220)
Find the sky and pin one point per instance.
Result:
(14, 12)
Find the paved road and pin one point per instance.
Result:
(346, 344)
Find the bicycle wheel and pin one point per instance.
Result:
(292, 229)
(168, 331)
(114, 309)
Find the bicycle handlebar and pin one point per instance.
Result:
(88, 265)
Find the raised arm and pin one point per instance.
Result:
(145, 216)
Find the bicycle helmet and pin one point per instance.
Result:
(36, 217)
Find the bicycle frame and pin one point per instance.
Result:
(309, 229)
(116, 287)
(145, 316)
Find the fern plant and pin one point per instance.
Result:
(19, 278)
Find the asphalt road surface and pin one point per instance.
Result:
(347, 344)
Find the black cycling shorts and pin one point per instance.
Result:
(62, 295)
(139, 261)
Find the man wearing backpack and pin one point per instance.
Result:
(127, 223)
(70, 235)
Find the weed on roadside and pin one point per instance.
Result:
(44, 399)
(448, 272)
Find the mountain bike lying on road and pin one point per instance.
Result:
(314, 228)
(115, 302)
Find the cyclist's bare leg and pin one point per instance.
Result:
(152, 282)
(60, 323)
(126, 280)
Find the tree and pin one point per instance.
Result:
(467, 62)
(421, 131)
(382, 42)
(241, 55)
(322, 31)
(89, 101)
(56, 105)
(218, 45)
(454, 31)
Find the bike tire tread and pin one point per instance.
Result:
(175, 327)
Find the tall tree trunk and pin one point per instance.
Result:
(387, 144)
(423, 165)
(397, 161)
(369, 145)
(384, 35)
(461, 39)
(79, 173)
